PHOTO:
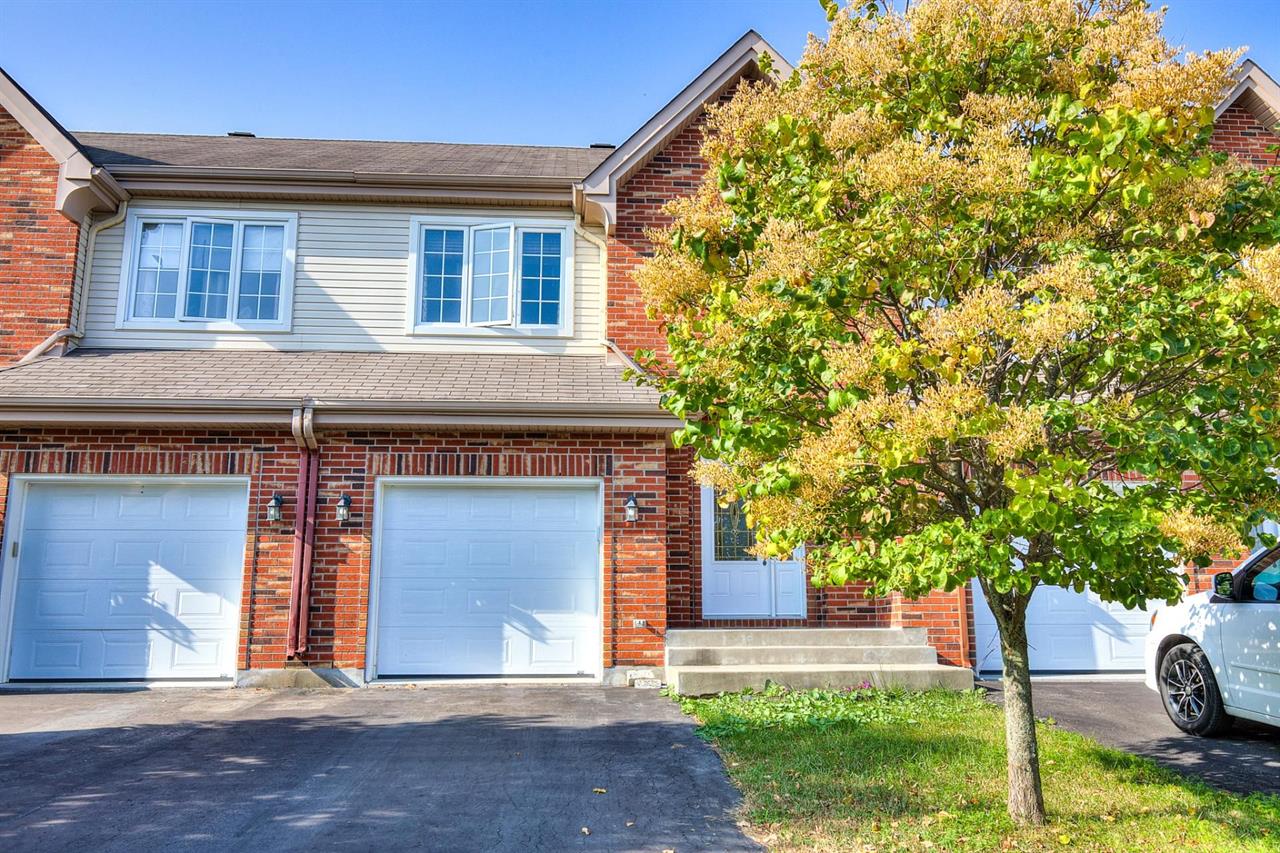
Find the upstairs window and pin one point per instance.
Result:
(479, 277)
(225, 271)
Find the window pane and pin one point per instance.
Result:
(261, 262)
(490, 276)
(441, 275)
(733, 539)
(540, 278)
(156, 286)
(209, 270)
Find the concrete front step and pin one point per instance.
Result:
(694, 637)
(810, 655)
(708, 680)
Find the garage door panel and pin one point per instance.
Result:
(490, 508)
(488, 600)
(191, 555)
(509, 554)
(479, 651)
(1068, 632)
(113, 603)
(487, 580)
(58, 506)
(155, 595)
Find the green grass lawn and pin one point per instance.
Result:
(870, 770)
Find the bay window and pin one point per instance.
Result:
(484, 277)
(219, 270)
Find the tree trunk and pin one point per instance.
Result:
(1022, 752)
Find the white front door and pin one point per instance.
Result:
(488, 578)
(737, 584)
(1067, 631)
(1250, 637)
(119, 579)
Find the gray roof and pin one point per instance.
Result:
(404, 381)
(394, 158)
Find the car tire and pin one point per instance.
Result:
(1190, 692)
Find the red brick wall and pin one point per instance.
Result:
(635, 555)
(37, 245)
(1238, 132)
(675, 171)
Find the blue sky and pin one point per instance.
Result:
(553, 72)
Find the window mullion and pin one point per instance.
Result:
(233, 286)
(511, 274)
(184, 264)
(468, 246)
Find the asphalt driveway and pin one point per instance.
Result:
(453, 767)
(1128, 716)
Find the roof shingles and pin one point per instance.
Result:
(574, 383)
(342, 155)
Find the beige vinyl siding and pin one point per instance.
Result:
(351, 288)
(78, 280)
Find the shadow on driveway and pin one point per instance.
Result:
(450, 768)
(1126, 715)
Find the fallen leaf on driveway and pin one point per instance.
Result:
(631, 823)
(599, 790)
(586, 831)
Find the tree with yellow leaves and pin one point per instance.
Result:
(946, 282)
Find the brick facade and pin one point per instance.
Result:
(37, 245)
(676, 171)
(1239, 133)
(947, 617)
(635, 554)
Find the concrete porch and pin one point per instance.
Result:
(703, 661)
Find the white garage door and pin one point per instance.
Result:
(1068, 632)
(485, 579)
(127, 580)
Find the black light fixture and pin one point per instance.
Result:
(344, 507)
(631, 509)
(273, 507)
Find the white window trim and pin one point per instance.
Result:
(129, 270)
(417, 224)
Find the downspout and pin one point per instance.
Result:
(580, 230)
(76, 331)
(83, 296)
(304, 531)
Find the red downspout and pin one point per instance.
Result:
(304, 533)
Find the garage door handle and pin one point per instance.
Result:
(14, 550)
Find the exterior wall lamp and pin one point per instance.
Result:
(344, 507)
(631, 509)
(273, 507)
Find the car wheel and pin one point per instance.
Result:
(1190, 692)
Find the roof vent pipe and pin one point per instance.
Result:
(247, 134)
(603, 145)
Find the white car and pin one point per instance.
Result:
(1216, 655)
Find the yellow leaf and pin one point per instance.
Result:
(599, 790)
(1064, 839)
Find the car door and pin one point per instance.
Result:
(1249, 628)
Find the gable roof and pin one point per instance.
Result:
(119, 151)
(597, 196)
(1257, 92)
(82, 185)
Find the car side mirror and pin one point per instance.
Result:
(1224, 585)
